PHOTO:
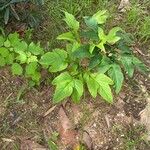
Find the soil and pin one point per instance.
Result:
(110, 127)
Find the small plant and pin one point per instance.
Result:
(21, 56)
(92, 58)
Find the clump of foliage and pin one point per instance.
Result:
(22, 57)
(13, 8)
(92, 58)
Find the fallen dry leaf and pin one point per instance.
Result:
(87, 140)
(145, 117)
(31, 145)
(49, 111)
(124, 5)
(67, 133)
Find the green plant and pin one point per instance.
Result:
(21, 56)
(8, 8)
(91, 58)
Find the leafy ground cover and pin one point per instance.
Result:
(30, 121)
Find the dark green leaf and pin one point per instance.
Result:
(82, 52)
(127, 62)
(116, 75)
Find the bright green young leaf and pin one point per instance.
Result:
(2, 39)
(14, 39)
(116, 75)
(35, 48)
(99, 83)
(101, 16)
(67, 85)
(56, 59)
(62, 78)
(22, 57)
(36, 77)
(77, 91)
(112, 37)
(4, 52)
(91, 84)
(62, 92)
(127, 62)
(32, 58)
(21, 46)
(67, 36)
(102, 38)
(105, 91)
(10, 58)
(2, 61)
(71, 21)
(16, 69)
(7, 43)
(31, 68)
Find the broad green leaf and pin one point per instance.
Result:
(56, 60)
(124, 48)
(36, 77)
(2, 61)
(91, 22)
(4, 51)
(102, 78)
(127, 62)
(116, 75)
(102, 38)
(63, 90)
(14, 39)
(91, 84)
(62, 78)
(140, 66)
(112, 37)
(71, 21)
(105, 65)
(99, 83)
(22, 57)
(67, 36)
(35, 48)
(10, 58)
(2, 39)
(105, 91)
(21, 46)
(101, 16)
(77, 91)
(16, 69)
(90, 34)
(82, 52)
(67, 85)
(95, 61)
(31, 68)
(7, 43)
